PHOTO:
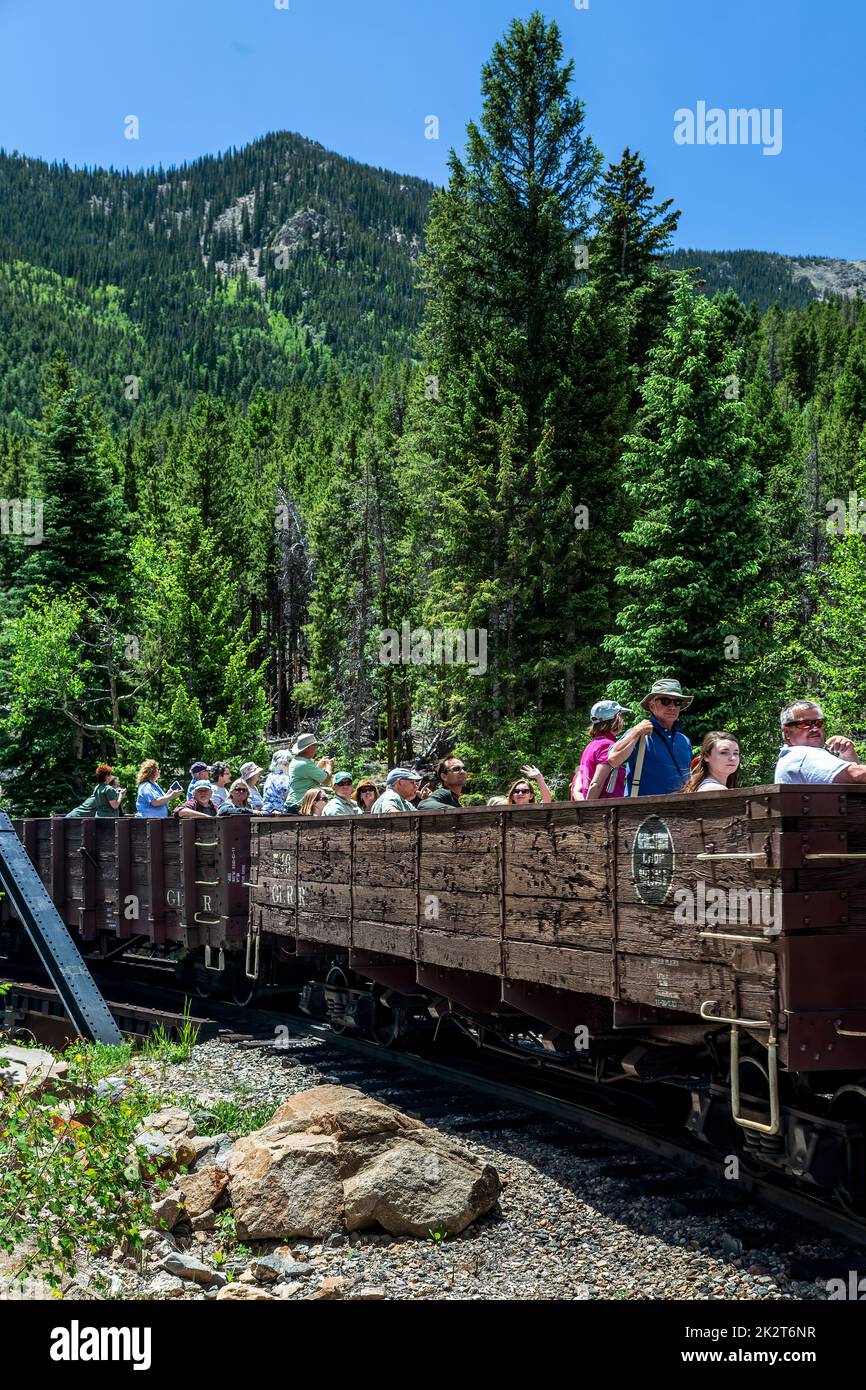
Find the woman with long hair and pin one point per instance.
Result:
(151, 802)
(717, 766)
(522, 792)
(314, 801)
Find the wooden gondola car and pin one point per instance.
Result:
(714, 943)
(705, 940)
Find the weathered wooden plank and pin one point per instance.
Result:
(653, 932)
(385, 938)
(555, 922)
(669, 983)
(562, 967)
(480, 955)
(318, 927)
(450, 873)
(396, 905)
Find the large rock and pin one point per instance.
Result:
(423, 1182)
(332, 1159)
(32, 1067)
(341, 1111)
(202, 1190)
(284, 1185)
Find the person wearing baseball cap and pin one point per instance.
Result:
(197, 773)
(342, 803)
(400, 784)
(656, 753)
(593, 779)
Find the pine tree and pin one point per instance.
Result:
(692, 547)
(84, 525)
(519, 395)
(626, 259)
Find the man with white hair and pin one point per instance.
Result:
(806, 757)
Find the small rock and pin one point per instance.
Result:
(166, 1212)
(267, 1269)
(286, 1290)
(205, 1222)
(366, 1293)
(112, 1086)
(328, 1289)
(165, 1285)
(202, 1190)
(242, 1292)
(188, 1267)
(33, 1067)
(335, 1241)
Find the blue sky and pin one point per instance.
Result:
(361, 76)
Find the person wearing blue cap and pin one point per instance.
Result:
(342, 802)
(593, 779)
(400, 784)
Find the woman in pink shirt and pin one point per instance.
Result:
(593, 779)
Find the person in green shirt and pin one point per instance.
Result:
(400, 784)
(342, 802)
(105, 799)
(304, 772)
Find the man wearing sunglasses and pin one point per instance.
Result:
(656, 752)
(806, 757)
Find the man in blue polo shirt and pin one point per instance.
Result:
(656, 752)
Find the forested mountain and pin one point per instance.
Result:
(577, 461)
(768, 279)
(252, 269)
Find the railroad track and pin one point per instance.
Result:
(638, 1153)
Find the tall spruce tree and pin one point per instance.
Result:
(517, 409)
(692, 549)
(627, 251)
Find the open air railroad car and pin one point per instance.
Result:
(712, 943)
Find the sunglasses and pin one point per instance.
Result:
(805, 724)
(322, 797)
(668, 700)
(522, 791)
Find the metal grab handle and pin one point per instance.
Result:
(206, 844)
(734, 1022)
(772, 1081)
(761, 941)
(757, 854)
(847, 1032)
(206, 921)
(207, 883)
(254, 973)
(837, 854)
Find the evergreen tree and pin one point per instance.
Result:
(692, 549)
(627, 256)
(519, 395)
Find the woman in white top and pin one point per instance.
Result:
(717, 766)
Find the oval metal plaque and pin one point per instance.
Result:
(652, 861)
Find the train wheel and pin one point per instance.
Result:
(336, 978)
(848, 1106)
(386, 1030)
